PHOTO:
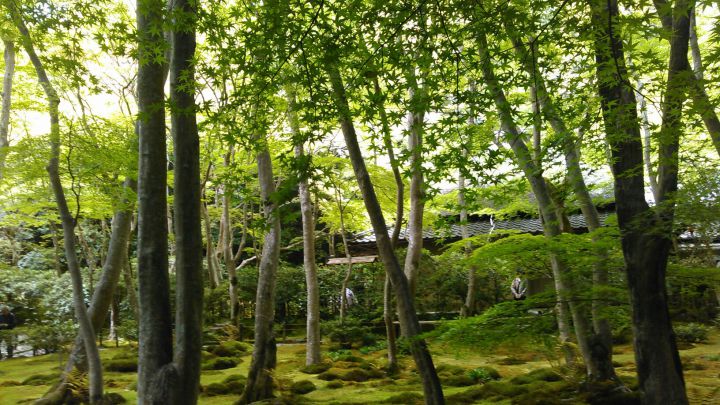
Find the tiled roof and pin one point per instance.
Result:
(531, 225)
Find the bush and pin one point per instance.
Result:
(302, 387)
(121, 365)
(220, 363)
(348, 333)
(484, 374)
(315, 368)
(691, 332)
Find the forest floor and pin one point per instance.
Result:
(527, 377)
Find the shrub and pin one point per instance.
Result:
(121, 365)
(220, 363)
(405, 398)
(691, 332)
(348, 333)
(484, 374)
(302, 387)
(315, 368)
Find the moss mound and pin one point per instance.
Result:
(350, 358)
(333, 385)
(220, 363)
(409, 398)
(41, 379)
(302, 387)
(449, 369)
(543, 374)
(112, 398)
(356, 374)
(230, 348)
(233, 384)
(328, 376)
(461, 380)
(315, 368)
(121, 365)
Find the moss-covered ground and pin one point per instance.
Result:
(527, 377)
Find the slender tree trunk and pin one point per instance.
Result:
(388, 312)
(89, 257)
(564, 284)
(155, 330)
(701, 102)
(102, 297)
(6, 102)
(312, 345)
(186, 204)
(348, 256)
(56, 249)
(130, 288)
(260, 383)
(406, 308)
(66, 218)
(658, 363)
(416, 116)
(212, 265)
(468, 308)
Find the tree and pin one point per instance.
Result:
(66, 218)
(9, 55)
(406, 308)
(646, 231)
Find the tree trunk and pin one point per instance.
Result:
(600, 343)
(348, 256)
(416, 116)
(388, 312)
(155, 329)
(56, 249)
(66, 218)
(6, 102)
(102, 297)
(406, 308)
(186, 204)
(312, 346)
(658, 363)
(551, 223)
(696, 84)
(212, 264)
(468, 309)
(260, 383)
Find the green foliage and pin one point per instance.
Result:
(691, 332)
(484, 374)
(349, 332)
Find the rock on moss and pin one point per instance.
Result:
(302, 387)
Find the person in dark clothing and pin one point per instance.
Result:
(7, 324)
